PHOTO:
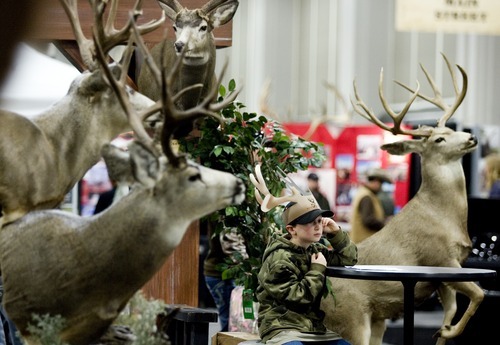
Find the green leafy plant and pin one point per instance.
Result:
(140, 316)
(46, 329)
(236, 146)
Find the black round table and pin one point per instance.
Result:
(409, 276)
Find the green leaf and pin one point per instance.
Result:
(228, 149)
(217, 151)
(222, 90)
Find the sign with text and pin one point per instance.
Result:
(449, 16)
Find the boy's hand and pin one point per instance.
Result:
(318, 258)
(329, 226)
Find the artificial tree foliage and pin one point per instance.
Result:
(235, 146)
(140, 318)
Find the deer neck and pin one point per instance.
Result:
(77, 136)
(143, 232)
(444, 184)
(191, 75)
(153, 221)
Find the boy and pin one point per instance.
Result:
(292, 279)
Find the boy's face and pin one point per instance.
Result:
(306, 234)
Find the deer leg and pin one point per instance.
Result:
(447, 297)
(441, 341)
(355, 327)
(475, 295)
(361, 334)
(377, 332)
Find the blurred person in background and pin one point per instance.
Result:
(313, 184)
(492, 175)
(368, 215)
(222, 246)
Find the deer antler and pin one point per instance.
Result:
(266, 200)
(211, 5)
(175, 117)
(170, 7)
(118, 85)
(341, 119)
(346, 112)
(438, 100)
(108, 35)
(264, 102)
(362, 109)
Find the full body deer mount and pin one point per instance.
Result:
(87, 268)
(431, 230)
(193, 31)
(43, 157)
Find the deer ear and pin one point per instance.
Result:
(95, 82)
(402, 147)
(118, 164)
(145, 165)
(222, 14)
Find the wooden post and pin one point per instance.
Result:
(177, 281)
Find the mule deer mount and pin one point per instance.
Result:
(89, 267)
(193, 31)
(59, 146)
(431, 230)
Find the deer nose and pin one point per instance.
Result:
(239, 192)
(179, 46)
(473, 138)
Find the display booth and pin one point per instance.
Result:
(351, 151)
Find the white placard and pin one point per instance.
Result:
(449, 16)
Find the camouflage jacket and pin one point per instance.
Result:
(290, 287)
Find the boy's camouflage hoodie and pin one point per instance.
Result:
(290, 287)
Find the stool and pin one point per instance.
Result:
(189, 325)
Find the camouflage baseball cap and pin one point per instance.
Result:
(303, 211)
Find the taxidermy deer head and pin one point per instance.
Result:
(194, 38)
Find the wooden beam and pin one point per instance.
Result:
(51, 23)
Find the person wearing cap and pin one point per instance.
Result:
(492, 175)
(313, 184)
(368, 214)
(292, 278)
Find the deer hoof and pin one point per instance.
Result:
(444, 332)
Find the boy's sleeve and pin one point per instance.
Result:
(284, 282)
(344, 253)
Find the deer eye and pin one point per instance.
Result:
(440, 139)
(203, 28)
(175, 28)
(195, 177)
